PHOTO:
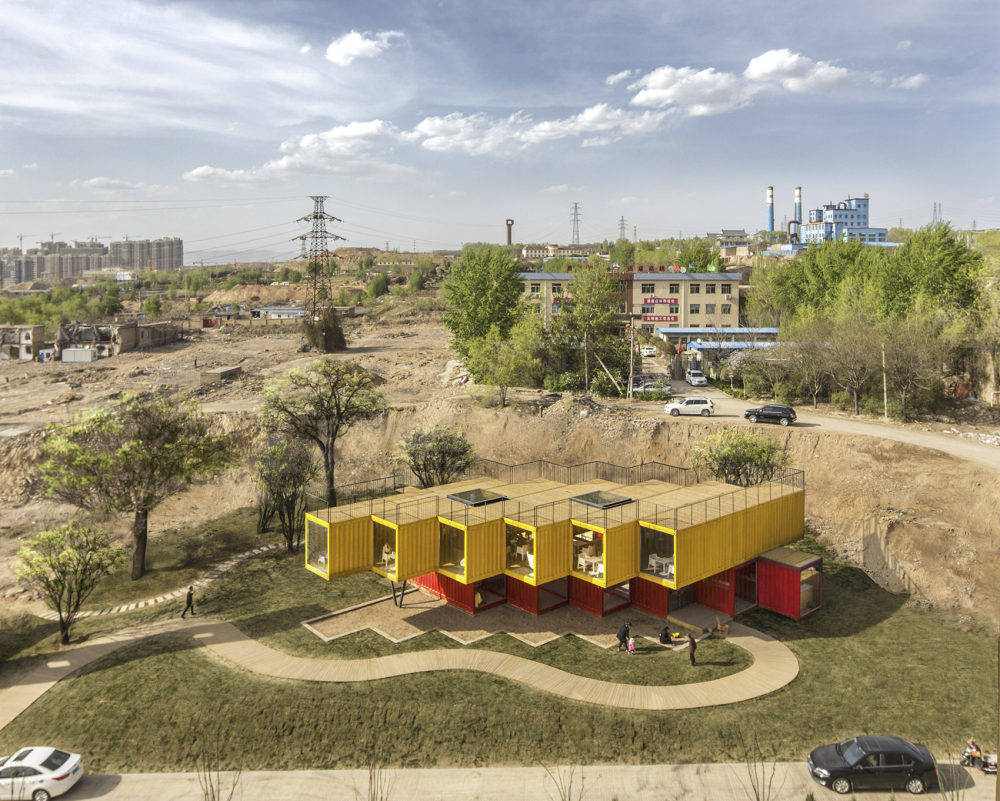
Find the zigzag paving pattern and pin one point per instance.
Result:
(774, 666)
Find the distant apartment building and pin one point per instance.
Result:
(650, 298)
(844, 221)
(166, 253)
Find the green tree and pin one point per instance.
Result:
(698, 252)
(281, 474)
(437, 455)
(853, 355)
(808, 350)
(152, 306)
(622, 253)
(319, 403)
(131, 456)
(417, 280)
(484, 289)
(505, 363)
(65, 565)
(741, 457)
(590, 319)
(378, 286)
(912, 356)
(111, 303)
(325, 334)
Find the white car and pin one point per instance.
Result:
(38, 773)
(647, 350)
(696, 378)
(702, 406)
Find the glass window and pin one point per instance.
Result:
(673, 309)
(694, 308)
(536, 288)
(727, 308)
(648, 289)
(557, 289)
(648, 309)
(694, 289)
(727, 289)
(674, 288)
(709, 308)
(709, 289)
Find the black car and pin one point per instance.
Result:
(772, 413)
(873, 762)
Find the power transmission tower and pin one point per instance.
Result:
(317, 253)
(622, 227)
(576, 224)
(635, 235)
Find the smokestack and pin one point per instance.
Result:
(510, 227)
(770, 209)
(798, 203)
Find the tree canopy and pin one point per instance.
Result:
(741, 457)
(318, 403)
(482, 290)
(437, 455)
(506, 363)
(131, 456)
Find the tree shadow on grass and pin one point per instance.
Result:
(279, 620)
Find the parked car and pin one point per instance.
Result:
(38, 773)
(651, 386)
(873, 762)
(647, 350)
(702, 406)
(696, 378)
(772, 413)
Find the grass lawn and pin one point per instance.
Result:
(869, 663)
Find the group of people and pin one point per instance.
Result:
(626, 642)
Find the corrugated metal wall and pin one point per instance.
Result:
(717, 592)
(651, 596)
(456, 593)
(621, 553)
(485, 553)
(350, 546)
(778, 588)
(553, 551)
(586, 596)
(716, 545)
(522, 595)
(418, 547)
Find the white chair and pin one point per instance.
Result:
(654, 560)
(599, 569)
(321, 557)
(531, 561)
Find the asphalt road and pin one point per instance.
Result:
(720, 782)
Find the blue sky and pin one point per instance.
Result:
(432, 122)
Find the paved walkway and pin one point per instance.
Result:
(774, 666)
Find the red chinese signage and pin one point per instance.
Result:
(672, 301)
(659, 318)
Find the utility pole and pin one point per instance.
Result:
(318, 255)
(885, 388)
(622, 227)
(575, 208)
(631, 354)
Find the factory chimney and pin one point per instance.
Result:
(770, 209)
(798, 206)
(510, 227)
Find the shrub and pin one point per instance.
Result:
(563, 382)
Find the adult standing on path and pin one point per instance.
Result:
(623, 634)
(189, 605)
(692, 645)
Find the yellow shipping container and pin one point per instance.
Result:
(417, 549)
(485, 553)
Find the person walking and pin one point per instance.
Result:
(692, 645)
(623, 634)
(631, 645)
(189, 605)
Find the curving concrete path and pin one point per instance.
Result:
(774, 666)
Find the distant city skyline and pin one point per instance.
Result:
(431, 124)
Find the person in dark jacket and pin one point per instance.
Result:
(665, 638)
(623, 634)
(189, 605)
(692, 645)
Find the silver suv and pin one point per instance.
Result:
(702, 406)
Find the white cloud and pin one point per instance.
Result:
(909, 82)
(6, 172)
(618, 77)
(694, 92)
(556, 189)
(114, 184)
(795, 72)
(305, 49)
(31, 166)
(359, 148)
(354, 45)
(474, 134)
(904, 45)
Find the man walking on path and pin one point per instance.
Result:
(692, 645)
(623, 633)
(189, 606)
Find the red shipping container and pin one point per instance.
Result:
(716, 592)
(780, 587)
(650, 596)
